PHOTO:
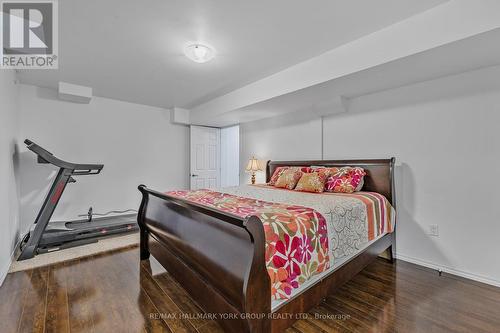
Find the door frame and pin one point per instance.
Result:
(225, 166)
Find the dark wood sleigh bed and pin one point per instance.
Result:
(202, 248)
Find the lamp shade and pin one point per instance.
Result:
(253, 165)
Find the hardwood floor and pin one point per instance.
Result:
(113, 292)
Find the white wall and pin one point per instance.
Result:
(447, 151)
(230, 156)
(136, 143)
(9, 220)
(280, 138)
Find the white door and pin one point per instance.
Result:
(205, 157)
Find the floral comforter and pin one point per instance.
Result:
(296, 236)
(306, 233)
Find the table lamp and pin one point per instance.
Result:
(253, 166)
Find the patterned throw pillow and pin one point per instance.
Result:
(346, 180)
(328, 170)
(313, 181)
(313, 168)
(277, 173)
(289, 178)
(307, 169)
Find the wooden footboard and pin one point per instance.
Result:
(218, 258)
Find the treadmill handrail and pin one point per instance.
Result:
(78, 169)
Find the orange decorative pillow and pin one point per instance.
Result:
(289, 178)
(313, 181)
(328, 170)
(276, 174)
(316, 168)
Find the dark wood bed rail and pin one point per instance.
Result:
(219, 258)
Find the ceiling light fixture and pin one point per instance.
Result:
(199, 53)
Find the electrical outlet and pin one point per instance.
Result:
(433, 230)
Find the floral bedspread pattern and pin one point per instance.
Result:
(297, 244)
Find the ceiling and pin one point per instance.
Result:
(131, 51)
(334, 96)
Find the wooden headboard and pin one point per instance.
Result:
(379, 173)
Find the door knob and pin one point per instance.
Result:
(193, 175)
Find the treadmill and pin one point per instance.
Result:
(46, 236)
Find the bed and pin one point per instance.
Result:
(221, 255)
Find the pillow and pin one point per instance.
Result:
(289, 178)
(277, 173)
(313, 168)
(361, 184)
(279, 170)
(358, 175)
(329, 171)
(346, 180)
(316, 168)
(306, 169)
(313, 181)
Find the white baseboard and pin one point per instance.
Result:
(449, 270)
(5, 270)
